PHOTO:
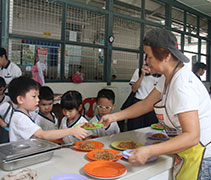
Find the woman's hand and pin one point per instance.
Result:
(139, 156)
(145, 69)
(107, 119)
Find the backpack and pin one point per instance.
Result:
(76, 78)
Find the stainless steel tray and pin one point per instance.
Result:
(19, 149)
(26, 161)
(19, 154)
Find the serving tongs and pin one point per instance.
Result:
(65, 145)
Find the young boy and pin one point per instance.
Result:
(105, 105)
(46, 119)
(71, 103)
(24, 92)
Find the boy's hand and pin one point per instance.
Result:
(2, 123)
(79, 132)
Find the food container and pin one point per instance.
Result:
(23, 153)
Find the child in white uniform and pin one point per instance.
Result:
(46, 119)
(9, 70)
(71, 103)
(105, 105)
(22, 125)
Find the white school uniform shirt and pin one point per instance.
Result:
(6, 110)
(113, 128)
(34, 114)
(64, 124)
(4, 99)
(10, 72)
(187, 93)
(46, 123)
(21, 126)
(146, 86)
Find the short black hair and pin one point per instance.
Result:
(71, 100)
(3, 52)
(2, 82)
(46, 93)
(106, 93)
(197, 66)
(20, 86)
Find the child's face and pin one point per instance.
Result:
(71, 114)
(104, 106)
(45, 106)
(29, 102)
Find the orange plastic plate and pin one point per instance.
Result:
(97, 145)
(90, 154)
(105, 169)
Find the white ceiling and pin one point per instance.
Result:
(203, 6)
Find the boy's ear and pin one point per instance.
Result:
(113, 107)
(80, 107)
(20, 100)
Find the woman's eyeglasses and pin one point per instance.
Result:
(104, 107)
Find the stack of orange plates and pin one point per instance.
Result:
(105, 169)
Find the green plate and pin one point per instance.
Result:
(154, 126)
(98, 125)
(116, 143)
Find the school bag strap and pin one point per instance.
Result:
(7, 111)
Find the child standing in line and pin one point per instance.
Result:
(22, 125)
(105, 105)
(71, 103)
(46, 119)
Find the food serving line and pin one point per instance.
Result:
(69, 160)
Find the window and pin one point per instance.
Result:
(155, 12)
(191, 44)
(177, 19)
(191, 23)
(124, 64)
(36, 18)
(126, 33)
(128, 8)
(203, 31)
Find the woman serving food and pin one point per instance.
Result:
(182, 105)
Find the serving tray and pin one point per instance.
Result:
(19, 154)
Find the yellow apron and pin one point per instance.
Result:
(187, 163)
